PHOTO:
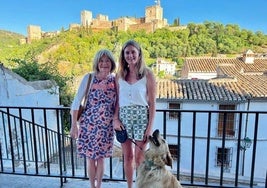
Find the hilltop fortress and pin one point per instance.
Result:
(153, 20)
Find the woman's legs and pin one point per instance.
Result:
(128, 162)
(99, 172)
(139, 154)
(95, 172)
(91, 168)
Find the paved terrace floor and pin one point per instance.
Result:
(20, 181)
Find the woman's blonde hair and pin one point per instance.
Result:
(97, 57)
(123, 65)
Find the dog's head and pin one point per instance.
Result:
(159, 146)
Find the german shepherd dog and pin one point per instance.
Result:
(152, 172)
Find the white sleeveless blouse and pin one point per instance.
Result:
(133, 94)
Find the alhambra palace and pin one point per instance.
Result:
(153, 20)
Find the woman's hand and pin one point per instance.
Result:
(118, 125)
(146, 136)
(74, 131)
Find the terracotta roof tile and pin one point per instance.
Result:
(210, 64)
(254, 84)
(236, 79)
(199, 90)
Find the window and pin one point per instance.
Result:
(175, 151)
(224, 157)
(229, 121)
(174, 115)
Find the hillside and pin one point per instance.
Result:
(9, 43)
(9, 39)
(72, 51)
(69, 55)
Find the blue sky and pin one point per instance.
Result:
(52, 15)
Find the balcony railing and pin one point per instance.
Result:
(33, 141)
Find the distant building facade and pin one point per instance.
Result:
(165, 66)
(210, 67)
(35, 33)
(152, 21)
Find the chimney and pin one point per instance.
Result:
(248, 57)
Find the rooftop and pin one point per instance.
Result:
(223, 79)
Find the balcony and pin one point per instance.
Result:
(206, 152)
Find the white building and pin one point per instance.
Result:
(165, 66)
(16, 92)
(218, 84)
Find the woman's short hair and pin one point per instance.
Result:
(101, 53)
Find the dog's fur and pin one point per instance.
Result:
(152, 172)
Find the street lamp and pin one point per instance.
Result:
(244, 145)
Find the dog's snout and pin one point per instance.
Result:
(155, 138)
(155, 133)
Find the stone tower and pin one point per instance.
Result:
(34, 33)
(154, 13)
(86, 18)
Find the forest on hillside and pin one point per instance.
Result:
(70, 53)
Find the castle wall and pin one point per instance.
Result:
(122, 24)
(153, 20)
(74, 27)
(148, 27)
(101, 24)
(102, 17)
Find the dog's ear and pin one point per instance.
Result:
(168, 159)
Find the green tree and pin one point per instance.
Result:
(33, 71)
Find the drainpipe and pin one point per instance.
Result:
(245, 144)
(246, 125)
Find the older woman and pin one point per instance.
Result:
(95, 133)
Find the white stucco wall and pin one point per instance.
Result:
(201, 135)
(17, 92)
(261, 165)
(203, 75)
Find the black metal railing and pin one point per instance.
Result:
(207, 152)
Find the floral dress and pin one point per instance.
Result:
(96, 133)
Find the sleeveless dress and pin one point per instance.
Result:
(96, 133)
